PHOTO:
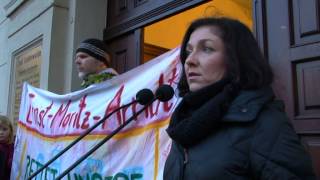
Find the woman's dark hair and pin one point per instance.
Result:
(244, 60)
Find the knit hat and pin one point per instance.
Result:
(95, 48)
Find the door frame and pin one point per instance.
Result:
(143, 18)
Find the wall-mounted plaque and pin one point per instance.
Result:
(26, 68)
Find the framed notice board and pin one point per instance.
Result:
(26, 67)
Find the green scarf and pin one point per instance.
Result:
(96, 78)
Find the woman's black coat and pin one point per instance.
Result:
(255, 141)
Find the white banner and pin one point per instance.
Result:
(49, 122)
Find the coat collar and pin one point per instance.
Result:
(248, 104)
(109, 70)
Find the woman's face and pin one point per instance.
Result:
(205, 63)
(4, 133)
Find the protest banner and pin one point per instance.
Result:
(48, 122)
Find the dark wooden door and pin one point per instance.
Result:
(126, 50)
(289, 32)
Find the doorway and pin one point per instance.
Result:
(167, 34)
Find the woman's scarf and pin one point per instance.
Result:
(199, 113)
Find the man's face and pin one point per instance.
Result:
(87, 64)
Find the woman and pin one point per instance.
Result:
(228, 125)
(6, 147)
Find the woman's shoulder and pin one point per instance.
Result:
(272, 116)
(273, 126)
(276, 145)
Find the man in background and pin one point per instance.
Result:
(93, 62)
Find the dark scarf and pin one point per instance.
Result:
(200, 112)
